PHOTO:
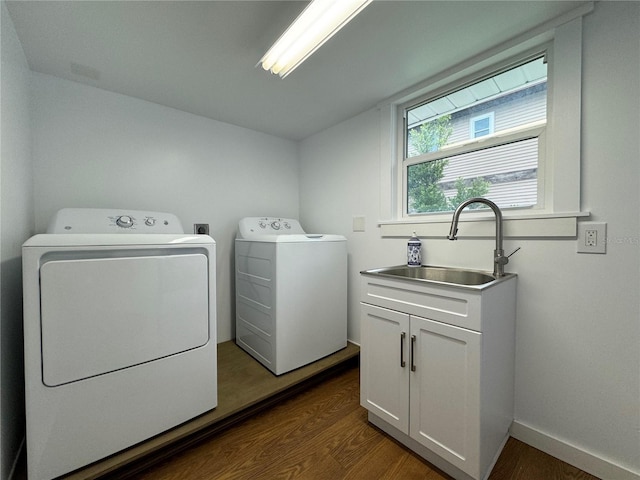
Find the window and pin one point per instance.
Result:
(482, 139)
(557, 140)
(482, 125)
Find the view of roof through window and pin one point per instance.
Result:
(510, 81)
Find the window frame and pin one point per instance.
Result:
(473, 123)
(562, 39)
(524, 132)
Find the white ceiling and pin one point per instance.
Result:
(200, 57)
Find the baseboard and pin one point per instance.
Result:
(571, 454)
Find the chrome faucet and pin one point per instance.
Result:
(499, 259)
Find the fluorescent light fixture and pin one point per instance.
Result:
(315, 25)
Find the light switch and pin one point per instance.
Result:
(358, 224)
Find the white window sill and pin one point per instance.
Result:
(482, 224)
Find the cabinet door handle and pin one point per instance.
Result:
(413, 344)
(403, 335)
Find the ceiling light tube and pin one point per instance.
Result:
(314, 26)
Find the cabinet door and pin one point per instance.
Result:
(384, 365)
(445, 391)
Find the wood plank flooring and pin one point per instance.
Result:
(244, 388)
(304, 425)
(323, 434)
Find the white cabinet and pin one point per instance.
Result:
(437, 368)
(384, 369)
(445, 390)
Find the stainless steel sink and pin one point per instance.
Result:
(453, 276)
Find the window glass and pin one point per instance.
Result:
(480, 140)
(506, 174)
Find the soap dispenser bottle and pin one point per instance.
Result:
(414, 251)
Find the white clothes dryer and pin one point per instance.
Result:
(119, 334)
(291, 293)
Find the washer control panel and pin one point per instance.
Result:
(278, 224)
(99, 220)
(124, 221)
(255, 226)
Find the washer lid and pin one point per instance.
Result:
(293, 238)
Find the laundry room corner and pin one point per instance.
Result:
(17, 223)
(160, 106)
(94, 148)
(339, 182)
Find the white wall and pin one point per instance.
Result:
(578, 325)
(16, 225)
(94, 148)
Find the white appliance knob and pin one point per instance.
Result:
(124, 221)
(275, 225)
(150, 222)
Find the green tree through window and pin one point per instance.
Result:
(425, 194)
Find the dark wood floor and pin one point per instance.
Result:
(245, 387)
(304, 425)
(323, 433)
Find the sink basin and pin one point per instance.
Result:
(453, 276)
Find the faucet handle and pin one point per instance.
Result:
(513, 252)
(501, 259)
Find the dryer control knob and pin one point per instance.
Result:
(124, 221)
(275, 225)
(150, 222)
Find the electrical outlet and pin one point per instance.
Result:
(592, 237)
(201, 228)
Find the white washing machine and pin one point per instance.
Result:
(119, 332)
(291, 293)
